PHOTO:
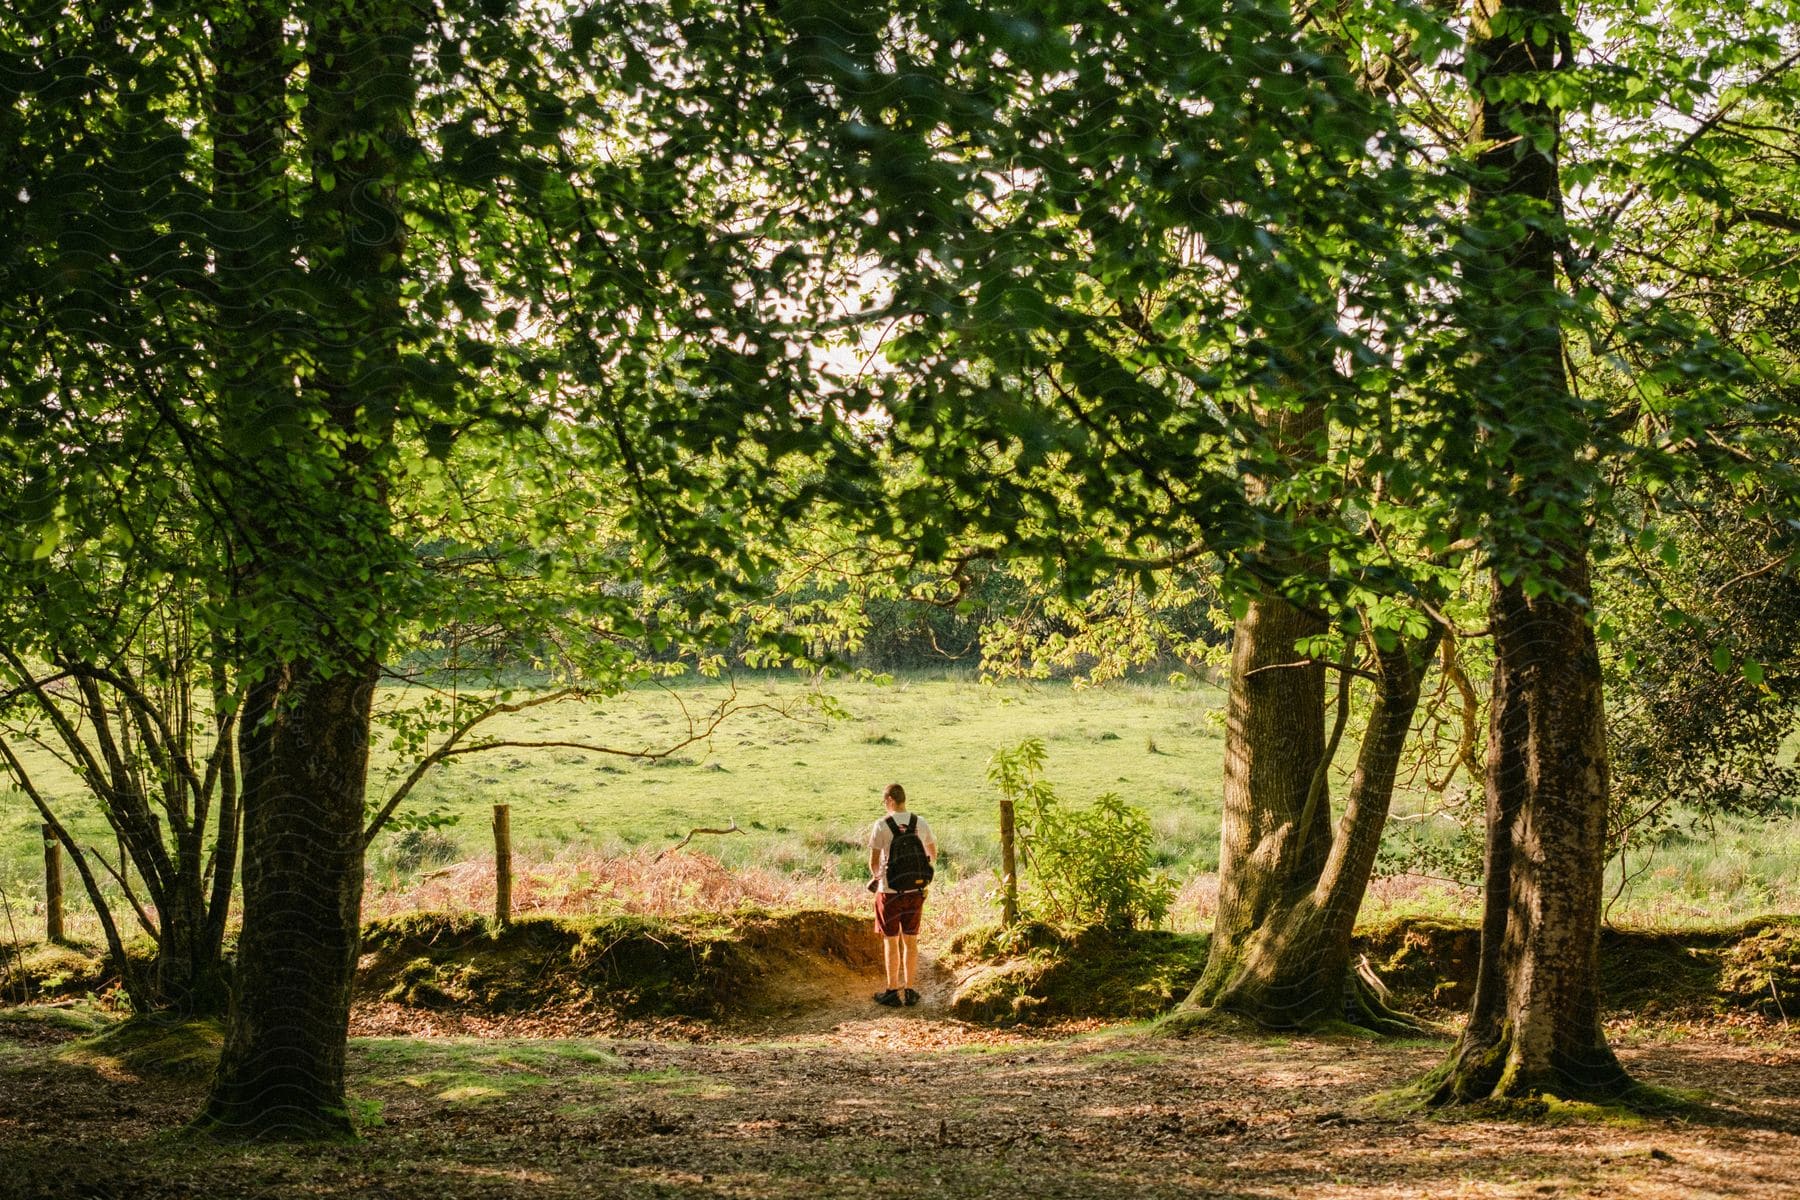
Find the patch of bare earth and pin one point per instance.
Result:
(850, 1100)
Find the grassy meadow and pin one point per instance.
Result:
(804, 786)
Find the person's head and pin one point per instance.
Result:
(894, 796)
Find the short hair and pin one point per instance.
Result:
(894, 792)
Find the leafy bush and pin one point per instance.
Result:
(1098, 864)
(1702, 655)
(1089, 865)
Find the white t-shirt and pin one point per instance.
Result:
(880, 839)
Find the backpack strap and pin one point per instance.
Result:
(893, 829)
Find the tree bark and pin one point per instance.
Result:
(222, 863)
(304, 743)
(1281, 951)
(1534, 1023)
(1274, 739)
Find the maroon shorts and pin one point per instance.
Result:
(898, 912)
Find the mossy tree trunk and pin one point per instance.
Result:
(1274, 741)
(1534, 1024)
(1290, 882)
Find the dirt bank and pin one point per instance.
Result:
(804, 970)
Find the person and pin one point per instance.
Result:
(897, 909)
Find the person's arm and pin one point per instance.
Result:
(930, 844)
(875, 848)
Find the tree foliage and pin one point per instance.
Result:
(587, 336)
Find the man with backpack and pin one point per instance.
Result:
(901, 853)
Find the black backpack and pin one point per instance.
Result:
(908, 866)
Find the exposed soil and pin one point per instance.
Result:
(762, 975)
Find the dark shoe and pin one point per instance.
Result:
(891, 998)
(909, 997)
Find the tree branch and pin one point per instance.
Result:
(142, 916)
(1346, 666)
(732, 828)
(451, 746)
(134, 989)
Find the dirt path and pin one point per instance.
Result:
(907, 1104)
(829, 997)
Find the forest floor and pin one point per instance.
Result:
(835, 1097)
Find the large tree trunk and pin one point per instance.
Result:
(1534, 1025)
(305, 749)
(1281, 949)
(1274, 740)
(1281, 939)
(318, 561)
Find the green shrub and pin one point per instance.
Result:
(1098, 865)
(1089, 865)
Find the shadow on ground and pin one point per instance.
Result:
(902, 1103)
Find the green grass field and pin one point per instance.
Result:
(820, 778)
(806, 786)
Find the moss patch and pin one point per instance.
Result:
(1037, 973)
(46, 970)
(633, 965)
(40, 971)
(1431, 964)
(1761, 969)
(83, 1018)
(1426, 963)
(154, 1047)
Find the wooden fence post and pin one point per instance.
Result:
(1009, 902)
(53, 887)
(502, 864)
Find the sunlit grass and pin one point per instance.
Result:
(803, 789)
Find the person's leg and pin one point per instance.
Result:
(909, 947)
(889, 930)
